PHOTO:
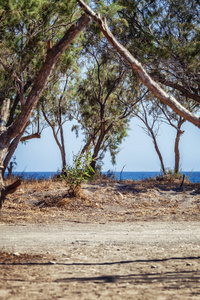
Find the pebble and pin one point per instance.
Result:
(153, 267)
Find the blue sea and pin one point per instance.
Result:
(192, 176)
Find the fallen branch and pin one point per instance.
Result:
(9, 189)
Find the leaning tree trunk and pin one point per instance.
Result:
(18, 127)
(158, 153)
(139, 69)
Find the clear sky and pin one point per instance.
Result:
(137, 151)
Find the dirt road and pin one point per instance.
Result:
(140, 260)
(33, 238)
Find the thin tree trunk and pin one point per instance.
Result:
(177, 152)
(179, 132)
(158, 153)
(139, 70)
(61, 144)
(63, 153)
(99, 143)
(97, 149)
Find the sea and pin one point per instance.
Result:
(192, 176)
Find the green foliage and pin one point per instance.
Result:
(25, 27)
(106, 96)
(164, 35)
(79, 172)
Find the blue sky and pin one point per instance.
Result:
(137, 151)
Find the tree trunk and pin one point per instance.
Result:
(63, 153)
(179, 132)
(18, 127)
(97, 148)
(158, 152)
(139, 70)
(96, 151)
(52, 57)
(61, 145)
(86, 148)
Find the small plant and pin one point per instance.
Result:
(79, 172)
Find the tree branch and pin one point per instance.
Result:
(139, 70)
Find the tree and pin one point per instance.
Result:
(21, 19)
(169, 33)
(106, 98)
(139, 70)
(56, 112)
(151, 127)
(153, 115)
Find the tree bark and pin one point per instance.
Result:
(97, 147)
(139, 70)
(179, 132)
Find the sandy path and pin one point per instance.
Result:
(38, 238)
(141, 260)
(110, 245)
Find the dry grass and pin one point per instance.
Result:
(102, 200)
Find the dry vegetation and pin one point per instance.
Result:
(103, 200)
(107, 269)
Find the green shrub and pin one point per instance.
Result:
(79, 172)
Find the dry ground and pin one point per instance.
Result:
(117, 240)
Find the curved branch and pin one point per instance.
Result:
(139, 70)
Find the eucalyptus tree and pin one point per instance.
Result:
(34, 35)
(149, 114)
(168, 10)
(153, 115)
(55, 106)
(105, 102)
(169, 33)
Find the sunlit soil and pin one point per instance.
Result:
(102, 200)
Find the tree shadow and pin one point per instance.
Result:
(155, 260)
(137, 187)
(173, 278)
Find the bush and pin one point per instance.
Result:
(79, 172)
